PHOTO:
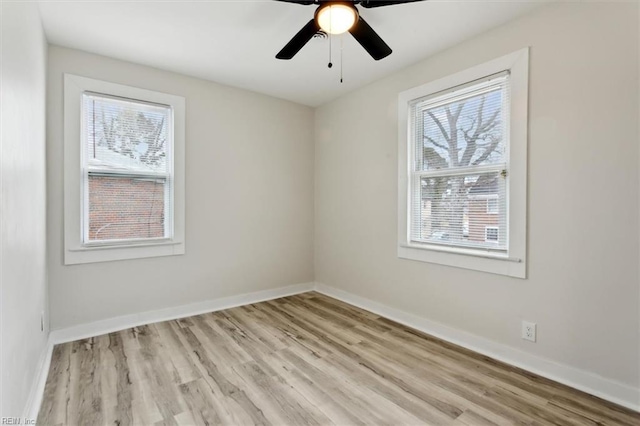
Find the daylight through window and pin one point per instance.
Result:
(127, 166)
(459, 173)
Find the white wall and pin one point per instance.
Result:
(249, 199)
(23, 289)
(582, 287)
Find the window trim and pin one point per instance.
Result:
(513, 263)
(76, 250)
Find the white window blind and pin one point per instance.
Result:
(127, 167)
(459, 173)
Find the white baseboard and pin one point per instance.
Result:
(607, 389)
(110, 325)
(37, 387)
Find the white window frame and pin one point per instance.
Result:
(76, 250)
(513, 262)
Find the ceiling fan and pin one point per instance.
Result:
(337, 17)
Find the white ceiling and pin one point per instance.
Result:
(234, 42)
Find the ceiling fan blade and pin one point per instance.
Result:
(368, 4)
(370, 40)
(302, 2)
(299, 40)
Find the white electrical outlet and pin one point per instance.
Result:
(529, 331)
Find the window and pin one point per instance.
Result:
(459, 163)
(491, 234)
(126, 170)
(124, 183)
(462, 184)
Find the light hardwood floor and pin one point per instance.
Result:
(305, 359)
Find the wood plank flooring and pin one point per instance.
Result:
(299, 360)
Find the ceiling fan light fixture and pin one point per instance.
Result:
(336, 18)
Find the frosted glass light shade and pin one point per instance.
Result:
(336, 18)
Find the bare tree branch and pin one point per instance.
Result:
(481, 133)
(434, 143)
(453, 131)
(489, 124)
(440, 126)
(487, 152)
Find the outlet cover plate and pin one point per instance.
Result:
(529, 330)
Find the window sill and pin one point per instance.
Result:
(495, 263)
(108, 253)
(123, 244)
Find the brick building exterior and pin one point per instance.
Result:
(126, 208)
(484, 209)
(481, 217)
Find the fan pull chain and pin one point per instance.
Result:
(330, 64)
(330, 23)
(341, 56)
